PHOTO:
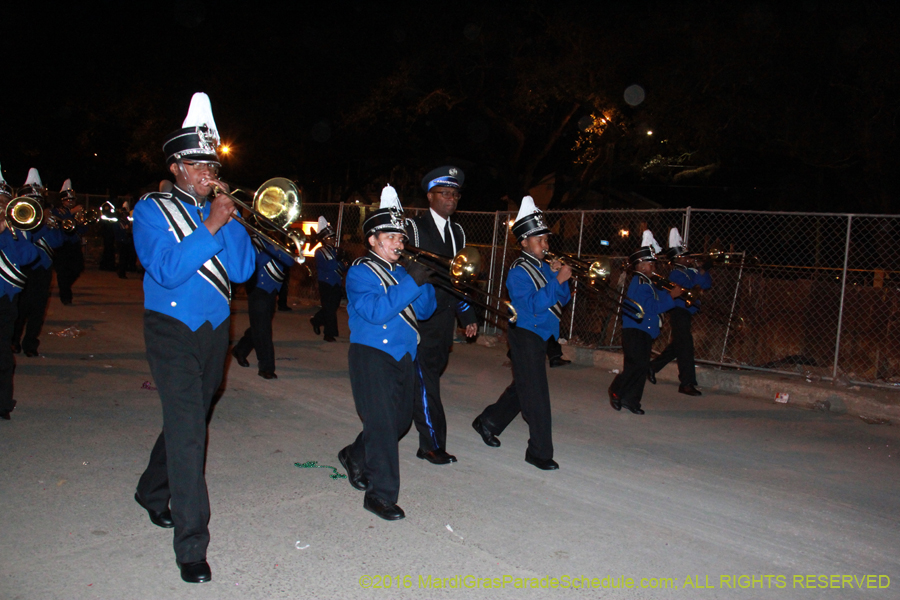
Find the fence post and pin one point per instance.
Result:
(687, 228)
(837, 343)
(340, 222)
(493, 260)
(575, 296)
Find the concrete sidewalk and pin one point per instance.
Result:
(720, 496)
(869, 403)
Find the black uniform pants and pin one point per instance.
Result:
(529, 393)
(383, 392)
(436, 339)
(187, 369)
(283, 292)
(330, 298)
(32, 308)
(629, 384)
(68, 260)
(261, 307)
(681, 347)
(8, 311)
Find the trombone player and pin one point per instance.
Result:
(689, 275)
(192, 250)
(538, 292)
(15, 253)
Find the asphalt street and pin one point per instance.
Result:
(722, 496)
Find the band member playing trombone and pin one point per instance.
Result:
(46, 237)
(538, 292)
(330, 269)
(688, 275)
(638, 335)
(192, 251)
(69, 259)
(385, 303)
(434, 232)
(15, 254)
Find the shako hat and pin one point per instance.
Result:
(448, 176)
(5, 188)
(676, 247)
(647, 251)
(66, 192)
(388, 217)
(324, 230)
(33, 187)
(198, 137)
(529, 221)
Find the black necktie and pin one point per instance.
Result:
(448, 241)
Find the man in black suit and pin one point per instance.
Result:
(433, 231)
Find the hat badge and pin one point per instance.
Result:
(453, 172)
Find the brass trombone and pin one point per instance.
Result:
(457, 276)
(275, 207)
(24, 213)
(593, 276)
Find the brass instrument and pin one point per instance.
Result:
(593, 276)
(459, 272)
(24, 213)
(690, 297)
(275, 207)
(693, 297)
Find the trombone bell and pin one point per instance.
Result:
(24, 213)
(466, 265)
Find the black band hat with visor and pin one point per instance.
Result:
(66, 193)
(5, 188)
(529, 221)
(648, 250)
(34, 187)
(676, 247)
(324, 230)
(389, 216)
(197, 140)
(447, 176)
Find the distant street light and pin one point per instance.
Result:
(225, 149)
(649, 132)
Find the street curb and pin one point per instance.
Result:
(761, 386)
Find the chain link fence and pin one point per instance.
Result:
(814, 295)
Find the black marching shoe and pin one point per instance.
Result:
(284, 308)
(195, 572)
(354, 474)
(32, 353)
(382, 508)
(489, 438)
(329, 338)
(544, 464)
(268, 374)
(651, 376)
(635, 409)
(160, 519)
(437, 456)
(316, 329)
(614, 400)
(690, 390)
(559, 361)
(241, 360)
(4, 414)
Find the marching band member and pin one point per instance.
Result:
(433, 231)
(36, 293)
(69, 258)
(15, 254)
(330, 269)
(262, 289)
(385, 304)
(689, 276)
(192, 250)
(637, 336)
(538, 292)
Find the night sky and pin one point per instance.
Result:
(751, 106)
